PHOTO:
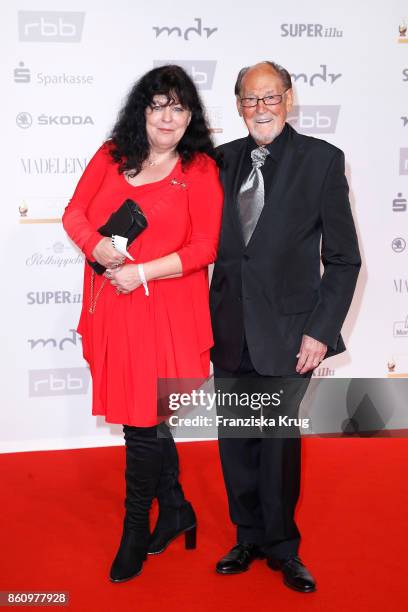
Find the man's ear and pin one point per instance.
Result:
(289, 100)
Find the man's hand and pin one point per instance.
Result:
(106, 255)
(310, 355)
(125, 279)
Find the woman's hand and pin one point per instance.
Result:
(106, 255)
(125, 279)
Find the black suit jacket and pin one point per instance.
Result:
(272, 289)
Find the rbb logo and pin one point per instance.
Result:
(201, 71)
(315, 119)
(50, 26)
(403, 166)
(60, 381)
(318, 121)
(199, 77)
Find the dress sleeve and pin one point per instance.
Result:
(74, 219)
(205, 195)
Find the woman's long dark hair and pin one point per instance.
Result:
(129, 144)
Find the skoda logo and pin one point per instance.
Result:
(398, 245)
(24, 120)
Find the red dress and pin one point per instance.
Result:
(131, 340)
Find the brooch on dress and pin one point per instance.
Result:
(176, 182)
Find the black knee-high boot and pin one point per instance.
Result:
(143, 466)
(176, 514)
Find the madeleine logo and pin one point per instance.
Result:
(214, 118)
(53, 165)
(23, 209)
(402, 29)
(41, 209)
(50, 26)
(401, 328)
(401, 285)
(391, 365)
(397, 366)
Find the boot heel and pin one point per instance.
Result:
(190, 538)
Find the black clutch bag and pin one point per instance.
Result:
(128, 221)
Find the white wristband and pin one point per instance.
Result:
(142, 277)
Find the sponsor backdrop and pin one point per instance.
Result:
(66, 70)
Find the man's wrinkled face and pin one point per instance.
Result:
(264, 122)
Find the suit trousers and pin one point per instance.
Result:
(262, 474)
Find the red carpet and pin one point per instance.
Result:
(61, 523)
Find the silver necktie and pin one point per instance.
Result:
(251, 197)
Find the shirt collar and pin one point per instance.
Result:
(276, 147)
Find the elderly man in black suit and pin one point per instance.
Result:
(274, 316)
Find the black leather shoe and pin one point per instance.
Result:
(171, 523)
(239, 559)
(295, 575)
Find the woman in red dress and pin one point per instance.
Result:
(160, 155)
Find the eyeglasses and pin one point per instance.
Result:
(268, 100)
